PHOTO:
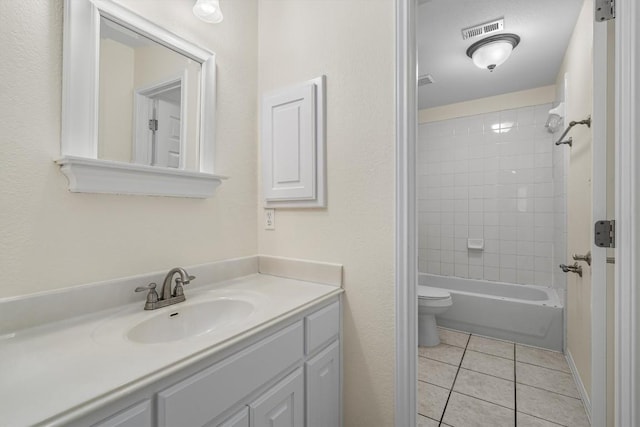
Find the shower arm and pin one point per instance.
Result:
(569, 141)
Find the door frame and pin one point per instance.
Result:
(627, 185)
(142, 108)
(406, 247)
(627, 76)
(596, 405)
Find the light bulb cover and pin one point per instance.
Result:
(209, 11)
(492, 51)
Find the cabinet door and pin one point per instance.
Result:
(240, 419)
(323, 388)
(282, 405)
(136, 416)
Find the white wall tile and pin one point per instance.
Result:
(433, 267)
(460, 244)
(447, 256)
(446, 269)
(462, 270)
(491, 273)
(508, 187)
(508, 275)
(476, 272)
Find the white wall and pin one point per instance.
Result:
(117, 67)
(50, 238)
(352, 42)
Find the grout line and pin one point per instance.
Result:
(515, 389)
(485, 400)
(489, 375)
(491, 354)
(454, 381)
(544, 419)
(436, 360)
(545, 367)
(550, 391)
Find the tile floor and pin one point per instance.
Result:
(470, 380)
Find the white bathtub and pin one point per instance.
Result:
(521, 313)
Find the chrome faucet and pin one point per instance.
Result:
(167, 297)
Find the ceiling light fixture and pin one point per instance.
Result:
(209, 11)
(492, 51)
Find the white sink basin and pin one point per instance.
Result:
(185, 320)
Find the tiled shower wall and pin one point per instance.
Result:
(489, 176)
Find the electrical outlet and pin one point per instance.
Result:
(269, 219)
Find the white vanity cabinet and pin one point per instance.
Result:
(289, 378)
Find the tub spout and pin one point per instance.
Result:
(575, 268)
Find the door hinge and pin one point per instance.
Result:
(605, 10)
(605, 234)
(153, 125)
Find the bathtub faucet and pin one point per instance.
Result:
(575, 268)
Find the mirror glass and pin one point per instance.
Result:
(149, 101)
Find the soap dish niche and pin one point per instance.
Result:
(475, 244)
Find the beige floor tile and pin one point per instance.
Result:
(525, 420)
(548, 379)
(485, 387)
(443, 353)
(431, 400)
(491, 346)
(465, 411)
(545, 358)
(437, 373)
(488, 364)
(427, 422)
(448, 336)
(551, 406)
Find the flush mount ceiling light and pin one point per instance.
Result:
(492, 51)
(209, 11)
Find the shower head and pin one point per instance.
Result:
(555, 118)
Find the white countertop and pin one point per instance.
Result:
(80, 364)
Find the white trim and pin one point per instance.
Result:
(597, 411)
(406, 213)
(627, 203)
(584, 396)
(105, 176)
(80, 81)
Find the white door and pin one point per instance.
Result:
(166, 143)
(603, 197)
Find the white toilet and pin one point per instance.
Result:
(431, 301)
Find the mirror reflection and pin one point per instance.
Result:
(148, 101)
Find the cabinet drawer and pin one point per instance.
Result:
(202, 397)
(322, 327)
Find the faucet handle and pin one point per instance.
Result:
(178, 290)
(150, 287)
(152, 296)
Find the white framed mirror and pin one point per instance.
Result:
(138, 106)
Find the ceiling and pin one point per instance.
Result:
(544, 26)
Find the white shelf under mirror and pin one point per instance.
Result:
(83, 162)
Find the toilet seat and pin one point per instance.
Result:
(429, 293)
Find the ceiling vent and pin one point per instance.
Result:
(425, 79)
(483, 29)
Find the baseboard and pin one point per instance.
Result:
(586, 401)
